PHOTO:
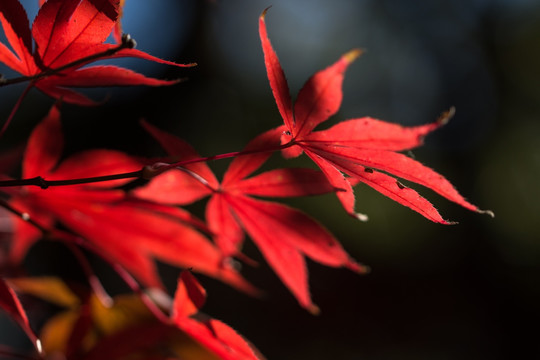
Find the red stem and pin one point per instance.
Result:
(134, 286)
(93, 280)
(228, 155)
(147, 172)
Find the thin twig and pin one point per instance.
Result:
(44, 184)
(134, 286)
(92, 278)
(24, 216)
(230, 155)
(158, 168)
(147, 172)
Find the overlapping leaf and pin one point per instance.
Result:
(211, 333)
(284, 235)
(130, 233)
(364, 148)
(88, 330)
(69, 34)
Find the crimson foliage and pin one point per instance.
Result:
(82, 200)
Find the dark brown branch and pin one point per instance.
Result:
(147, 172)
(24, 216)
(44, 184)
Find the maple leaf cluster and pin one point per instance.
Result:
(83, 201)
(66, 36)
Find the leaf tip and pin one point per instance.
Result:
(177, 81)
(445, 117)
(263, 14)
(487, 212)
(352, 55)
(361, 217)
(39, 346)
(364, 269)
(445, 222)
(314, 309)
(359, 268)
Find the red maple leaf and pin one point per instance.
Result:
(364, 148)
(213, 334)
(130, 233)
(69, 34)
(284, 235)
(9, 302)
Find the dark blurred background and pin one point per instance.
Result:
(468, 291)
